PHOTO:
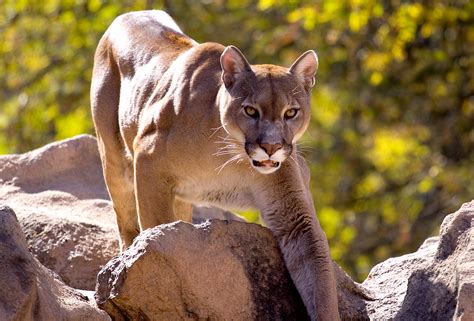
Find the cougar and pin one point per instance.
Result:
(181, 123)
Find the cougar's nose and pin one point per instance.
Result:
(270, 148)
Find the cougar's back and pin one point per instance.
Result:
(147, 40)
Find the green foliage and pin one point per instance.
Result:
(391, 140)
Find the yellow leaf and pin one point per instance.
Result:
(376, 78)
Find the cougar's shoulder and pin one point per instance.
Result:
(199, 74)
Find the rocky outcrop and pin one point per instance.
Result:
(28, 290)
(62, 204)
(219, 270)
(434, 283)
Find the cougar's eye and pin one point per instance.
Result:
(251, 112)
(290, 113)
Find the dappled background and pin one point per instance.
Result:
(391, 142)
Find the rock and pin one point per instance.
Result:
(59, 195)
(71, 166)
(75, 250)
(29, 291)
(62, 204)
(352, 297)
(219, 270)
(434, 283)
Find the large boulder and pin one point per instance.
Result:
(62, 204)
(28, 290)
(217, 270)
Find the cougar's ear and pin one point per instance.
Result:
(305, 68)
(233, 65)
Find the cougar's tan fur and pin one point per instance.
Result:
(180, 122)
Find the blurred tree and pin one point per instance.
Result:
(391, 144)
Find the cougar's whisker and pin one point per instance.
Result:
(229, 161)
(295, 161)
(226, 153)
(236, 98)
(215, 130)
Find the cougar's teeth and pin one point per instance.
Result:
(265, 163)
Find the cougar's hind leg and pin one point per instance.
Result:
(105, 92)
(118, 174)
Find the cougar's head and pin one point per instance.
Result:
(266, 108)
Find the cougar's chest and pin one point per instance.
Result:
(222, 192)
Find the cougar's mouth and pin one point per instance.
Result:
(266, 163)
